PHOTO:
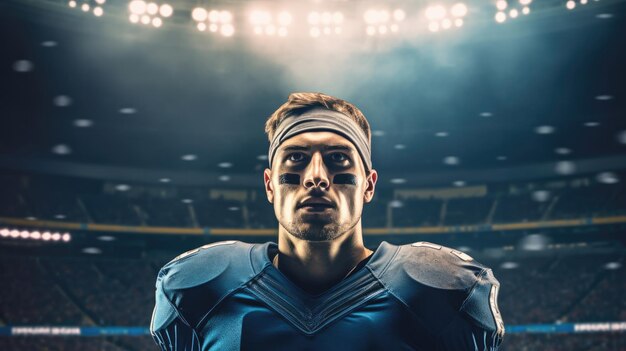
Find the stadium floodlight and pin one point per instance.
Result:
(570, 4)
(152, 8)
(325, 22)
(157, 22)
(24, 234)
(435, 13)
(382, 21)
(525, 2)
(501, 5)
(228, 30)
(137, 7)
(459, 10)
(35, 235)
(399, 15)
(97, 11)
(46, 236)
(199, 14)
(66, 237)
(583, 2)
(446, 23)
(14, 233)
(85, 7)
(458, 22)
(513, 13)
(166, 10)
(526, 10)
(72, 4)
(4, 232)
(500, 17)
(433, 26)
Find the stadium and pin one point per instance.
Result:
(132, 132)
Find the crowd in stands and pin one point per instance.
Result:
(119, 292)
(171, 206)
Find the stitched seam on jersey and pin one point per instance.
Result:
(472, 289)
(388, 262)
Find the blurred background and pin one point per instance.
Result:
(133, 131)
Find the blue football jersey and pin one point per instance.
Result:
(421, 296)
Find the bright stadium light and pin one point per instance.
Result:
(24, 234)
(85, 7)
(399, 15)
(137, 7)
(201, 26)
(35, 235)
(570, 4)
(97, 11)
(459, 10)
(134, 18)
(513, 13)
(458, 22)
(501, 5)
(433, 26)
(4, 232)
(435, 13)
(228, 30)
(500, 17)
(166, 10)
(72, 4)
(525, 2)
(157, 22)
(526, 10)
(199, 14)
(446, 23)
(152, 9)
(66, 237)
(15, 233)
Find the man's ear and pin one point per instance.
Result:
(371, 186)
(267, 179)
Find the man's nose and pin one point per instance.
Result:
(316, 174)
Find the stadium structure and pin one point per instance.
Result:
(132, 131)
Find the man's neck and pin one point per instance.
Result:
(316, 266)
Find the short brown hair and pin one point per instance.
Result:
(302, 101)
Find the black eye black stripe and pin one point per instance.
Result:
(345, 178)
(289, 178)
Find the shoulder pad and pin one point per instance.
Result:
(439, 266)
(195, 281)
(432, 280)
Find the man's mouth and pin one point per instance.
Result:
(315, 207)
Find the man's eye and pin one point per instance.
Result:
(296, 157)
(338, 157)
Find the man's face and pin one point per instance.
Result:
(312, 206)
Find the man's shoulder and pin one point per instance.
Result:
(439, 266)
(193, 283)
(439, 282)
(205, 264)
